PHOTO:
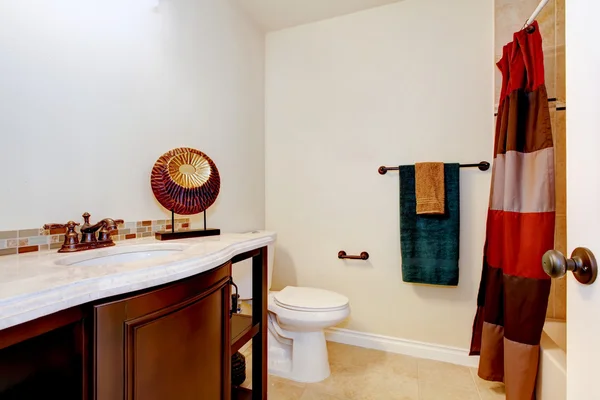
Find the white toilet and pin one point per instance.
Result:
(297, 319)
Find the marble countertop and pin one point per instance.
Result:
(33, 285)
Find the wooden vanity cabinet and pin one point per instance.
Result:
(169, 343)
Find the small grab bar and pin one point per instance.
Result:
(343, 256)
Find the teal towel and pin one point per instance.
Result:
(429, 243)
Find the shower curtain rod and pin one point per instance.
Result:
(537, 12)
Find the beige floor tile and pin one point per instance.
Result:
(395, 377)
(488, 390)
(345, 381)
(433, 391)
(401, 365)
(368, 382)
(492, 394)
(281, 389)
(312, 394)
(391, 386)
(363, 374)
(340, 354)
(276, 379)
(444, 374)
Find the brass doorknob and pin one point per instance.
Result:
(582, 263)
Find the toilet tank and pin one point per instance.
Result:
(242, 274)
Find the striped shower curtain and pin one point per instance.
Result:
(513, 293)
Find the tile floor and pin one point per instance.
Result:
(363, 374)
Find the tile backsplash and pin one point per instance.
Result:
(29, 240)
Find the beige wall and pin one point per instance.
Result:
(510, 15)
(93, 92)
(403, 83)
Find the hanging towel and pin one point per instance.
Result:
(429, 243)
(429, 186)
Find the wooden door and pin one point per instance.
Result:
(583, 190)
(168, 343)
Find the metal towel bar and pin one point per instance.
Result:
(483, 166)
(343, 256)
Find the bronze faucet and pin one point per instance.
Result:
(89, 240)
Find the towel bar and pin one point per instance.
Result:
(483, 166)
(343, 256)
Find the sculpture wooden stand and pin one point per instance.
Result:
(185, 181)
(172, 235)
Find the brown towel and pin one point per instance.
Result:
(429, 188)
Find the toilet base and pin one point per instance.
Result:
(305, 360)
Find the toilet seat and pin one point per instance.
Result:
(310, 299)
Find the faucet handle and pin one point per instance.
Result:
(54, 226)
(71, 237)
(105, 231)
(69, 225)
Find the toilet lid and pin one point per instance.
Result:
(310, 299)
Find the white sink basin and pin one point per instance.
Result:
(116, 255)
(124, 258)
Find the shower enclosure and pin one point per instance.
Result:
(509, 17)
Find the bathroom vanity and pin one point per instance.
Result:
(146, 320)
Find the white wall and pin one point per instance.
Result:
(408, 82)
(273, 15)
(93, 92)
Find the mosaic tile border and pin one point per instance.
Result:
(31, 240)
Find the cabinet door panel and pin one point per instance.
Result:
(109, 369)
(178, 355)
(171, 342)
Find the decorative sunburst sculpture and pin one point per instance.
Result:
(185, 181)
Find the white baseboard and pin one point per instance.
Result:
(412, 348)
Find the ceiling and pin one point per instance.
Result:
(279, 14)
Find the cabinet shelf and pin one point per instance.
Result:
(242, 331)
